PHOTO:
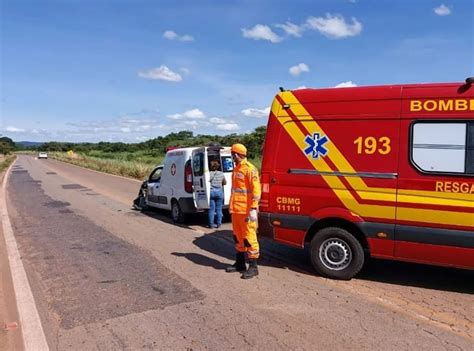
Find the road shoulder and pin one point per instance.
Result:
(10, 338)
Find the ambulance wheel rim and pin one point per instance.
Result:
(335, 254)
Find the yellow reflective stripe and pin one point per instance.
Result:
(435, 216)
(428, 198)
(240, 191)
(438, 197)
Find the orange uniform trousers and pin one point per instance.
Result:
(245, 235)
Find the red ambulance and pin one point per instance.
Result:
(383, 171)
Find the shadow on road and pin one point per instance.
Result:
(221, 244)
(298, 260)
(419, 275)
(164, 216)
(281, 256)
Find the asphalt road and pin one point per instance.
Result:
(107, 277)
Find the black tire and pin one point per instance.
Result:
(336, 253)
(177, 215)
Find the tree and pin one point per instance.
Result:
(6, 145)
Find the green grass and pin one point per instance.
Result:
(7, 161)
(123, 164)
(149, 157)
(128, 164)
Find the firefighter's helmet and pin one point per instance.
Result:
(239, 149)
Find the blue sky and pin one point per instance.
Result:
(124, 70)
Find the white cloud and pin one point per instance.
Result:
(295, 71)
(125, 129)
(291, 29)
(193, 124)
(347, 84)
(255, 112)
(143, 128)
(217, 120)
(171, 35)
(335, 27)
(190, 114)
(142, 138)
(12, 129)
(161, 73)
(228, 126)
(261, 32)
(442, 10)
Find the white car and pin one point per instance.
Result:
(42, 154)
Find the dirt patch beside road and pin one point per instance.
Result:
(9, 339)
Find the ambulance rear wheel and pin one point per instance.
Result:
(177, 214)
(336, 253)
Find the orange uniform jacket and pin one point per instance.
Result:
(245, 188)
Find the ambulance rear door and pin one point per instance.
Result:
(227, 166)
(200, 178)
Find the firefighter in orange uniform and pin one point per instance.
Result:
(243, 207)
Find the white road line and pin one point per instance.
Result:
(30, 323)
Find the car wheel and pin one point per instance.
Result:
(177, 214)
(336, 253)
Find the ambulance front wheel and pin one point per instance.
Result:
(336, 253)
(177, 214)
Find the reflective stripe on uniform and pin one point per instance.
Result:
(240, 191)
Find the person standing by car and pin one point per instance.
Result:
(243, 206)
(218, 181)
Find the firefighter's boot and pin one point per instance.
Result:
(239, 265)
(252, 271)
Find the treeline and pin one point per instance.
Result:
(253, 141)
(6, 145)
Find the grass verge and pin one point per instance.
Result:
(6, 161)
(133, 169)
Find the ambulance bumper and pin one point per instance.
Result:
(187, 205)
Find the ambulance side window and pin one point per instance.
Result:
(227, 164)
(198, 164)
(440, 147)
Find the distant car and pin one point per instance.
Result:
(43, 154)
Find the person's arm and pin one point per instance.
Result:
(255, 188)
(224, 181)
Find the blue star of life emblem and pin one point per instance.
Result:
(316, 145)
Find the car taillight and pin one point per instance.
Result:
(265, 197)
(188, 177)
